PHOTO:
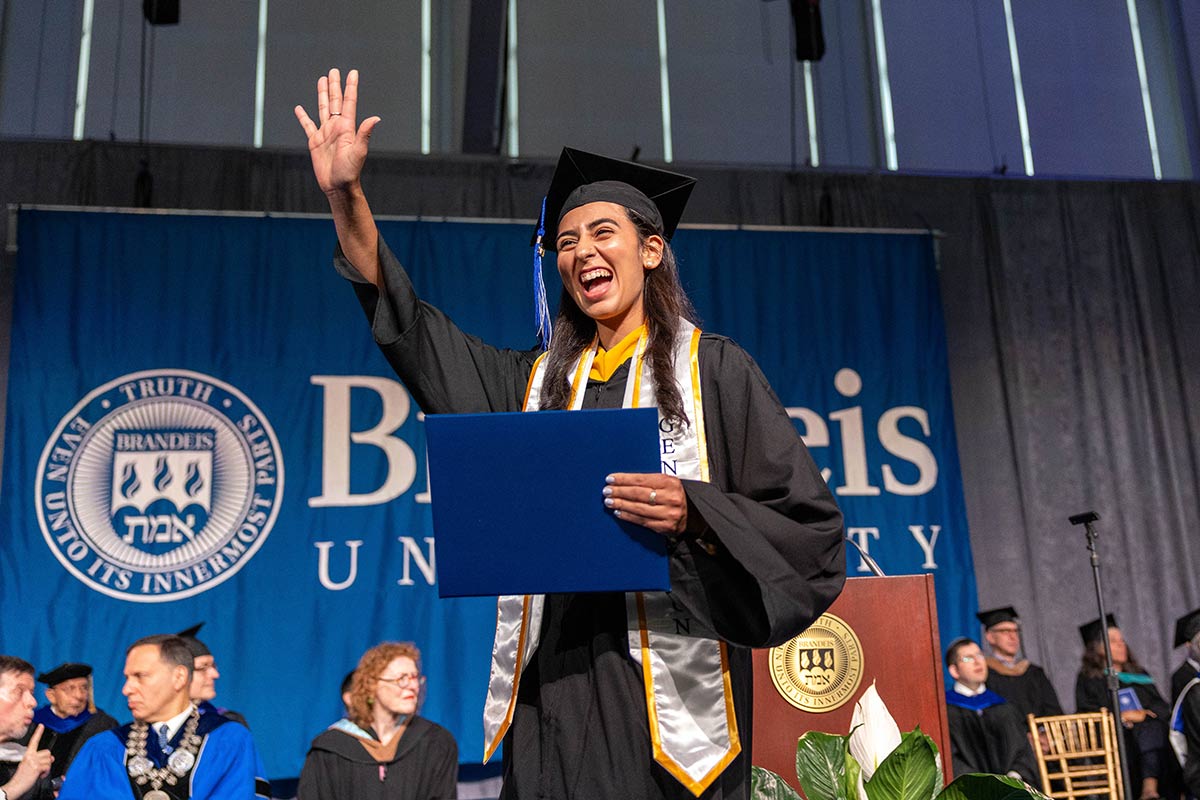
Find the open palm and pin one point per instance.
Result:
(338, 149)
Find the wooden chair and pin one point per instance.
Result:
(1077, 755)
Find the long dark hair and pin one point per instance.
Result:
(663, 302)
(1093, 660)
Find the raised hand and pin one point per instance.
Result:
(338, 148)
(35, 764)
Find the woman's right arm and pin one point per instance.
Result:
(338, 150)
(446, 370)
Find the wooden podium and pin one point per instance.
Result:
(894, 621)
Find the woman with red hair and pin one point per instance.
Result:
(382, 748)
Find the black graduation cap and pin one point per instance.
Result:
(581, 178)
(197, 647)
(1094, 631)
(1186, 627)
(64, 672)
(995, 616)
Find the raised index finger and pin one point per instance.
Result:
(36, 739)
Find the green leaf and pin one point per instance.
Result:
(909, 773)
(989, 787)
(821, 765)
(766, 785)
(850, 779)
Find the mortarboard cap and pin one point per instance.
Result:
(995, 616)
(64, 672)
(1186, 627)
(197, 647)
(1094, 631)
(581, 178)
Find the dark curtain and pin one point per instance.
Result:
(1072, 313)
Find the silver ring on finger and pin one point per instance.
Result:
(335, 113)
(653, 497)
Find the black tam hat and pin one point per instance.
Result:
(993, 617)
(64, 672)
(581, 178)
(1186, 627)
(197, 647)
(1094, 631)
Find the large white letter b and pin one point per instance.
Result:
(337, 438)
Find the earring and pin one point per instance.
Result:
(370, 701)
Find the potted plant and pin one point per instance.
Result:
(876, 762)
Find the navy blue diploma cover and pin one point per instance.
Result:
(517, 503)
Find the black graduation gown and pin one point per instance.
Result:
(580, 727)
(66, 745)
(1030, 691)
(41, 788)
(1180, 677)
(425, 767)
(1190, 713)
(992, 740)
(1146, 742)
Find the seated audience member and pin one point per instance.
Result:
(383, 749)
(1186, 628)
(204, 676)
(987, 733)
(24, 769)
(1185, 725)
(1144, 713)
(1010, 675)
(170, 751)
(71, 713)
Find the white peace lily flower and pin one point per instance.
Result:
(874, 734)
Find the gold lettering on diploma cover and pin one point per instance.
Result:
(820, 669)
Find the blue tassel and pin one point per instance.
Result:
(541, 309)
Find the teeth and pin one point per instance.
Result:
(593, 274)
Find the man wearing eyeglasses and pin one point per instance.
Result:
(987, 733)
(1010, 674)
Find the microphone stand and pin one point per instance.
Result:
(1110, 676)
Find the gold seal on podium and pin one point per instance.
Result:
(820, 669)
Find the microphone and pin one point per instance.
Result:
(870, 562)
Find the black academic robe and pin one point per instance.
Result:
(580, 726)
(1146, 743)
(1190, 717)
(1180, 677)
(425, 767)
(992, 740)
(41, 789)
(66, 746)
(1025, 686)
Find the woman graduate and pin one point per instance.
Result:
(1145, 715)
(605, 694)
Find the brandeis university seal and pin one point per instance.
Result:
(820, 669)
(159, 485)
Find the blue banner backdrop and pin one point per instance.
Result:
(201, 429)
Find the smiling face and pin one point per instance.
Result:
(16, 704)
(398, 689)
(69, 697)
(602, 263)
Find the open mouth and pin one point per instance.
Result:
(595, 281)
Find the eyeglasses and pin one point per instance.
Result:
(404, 680)
(1005, 630)
(970, 659)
